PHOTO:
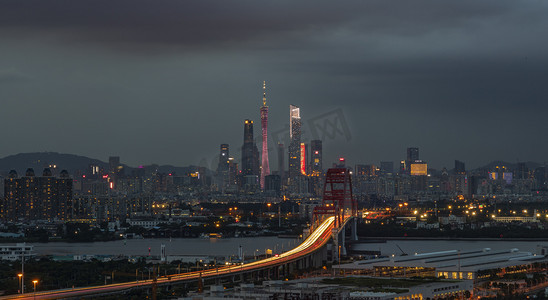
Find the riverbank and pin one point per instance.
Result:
(415, 238)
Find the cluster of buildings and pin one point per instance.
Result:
(303, 175)
(115, 191)
(415, 181)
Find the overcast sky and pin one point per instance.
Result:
(168, 81)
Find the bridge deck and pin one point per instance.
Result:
(317, 239)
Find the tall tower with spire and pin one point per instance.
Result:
(265, 170)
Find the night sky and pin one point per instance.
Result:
(168, 81)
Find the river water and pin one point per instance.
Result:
(180, 246)
(257, 245)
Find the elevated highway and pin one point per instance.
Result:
(315, 241)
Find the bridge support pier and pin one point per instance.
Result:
(354, 230)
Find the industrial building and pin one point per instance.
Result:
(451, 264)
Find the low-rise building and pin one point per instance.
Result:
(16, 252)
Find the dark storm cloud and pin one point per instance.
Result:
(163, 22)
(194, 23)
(406, 73)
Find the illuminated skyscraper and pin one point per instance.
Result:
(295, 142)
(304, 156)
(250, 153)
(223, 166)
(316, 157)
(223, 159)
(316, 168)
(265, 168)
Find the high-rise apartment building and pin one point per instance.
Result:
(265, 167)
(37, 198)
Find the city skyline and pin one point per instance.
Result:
(460, 81)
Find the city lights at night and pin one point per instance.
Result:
(388, 150)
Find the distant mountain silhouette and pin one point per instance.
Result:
(511, 166)
(70, 162)
(40, 160)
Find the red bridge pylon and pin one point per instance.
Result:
(337, 198)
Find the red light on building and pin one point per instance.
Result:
(303, 158)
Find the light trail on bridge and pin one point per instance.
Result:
(317, 239)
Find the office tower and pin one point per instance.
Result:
(387, 167)
(295, 142)
(232, 172)
(281, 161)
(37, 198)
(304, 156)
(316, 168)
(265, 167)
(250, 153)
(474, 184)
(459, 167)
(273, 185)
(223, 167)
(412, 154)
(223, 159)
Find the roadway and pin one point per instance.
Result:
(317, 239)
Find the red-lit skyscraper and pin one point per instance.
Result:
(265, 168)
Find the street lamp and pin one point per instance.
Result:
(20, 282)
(35, 282)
